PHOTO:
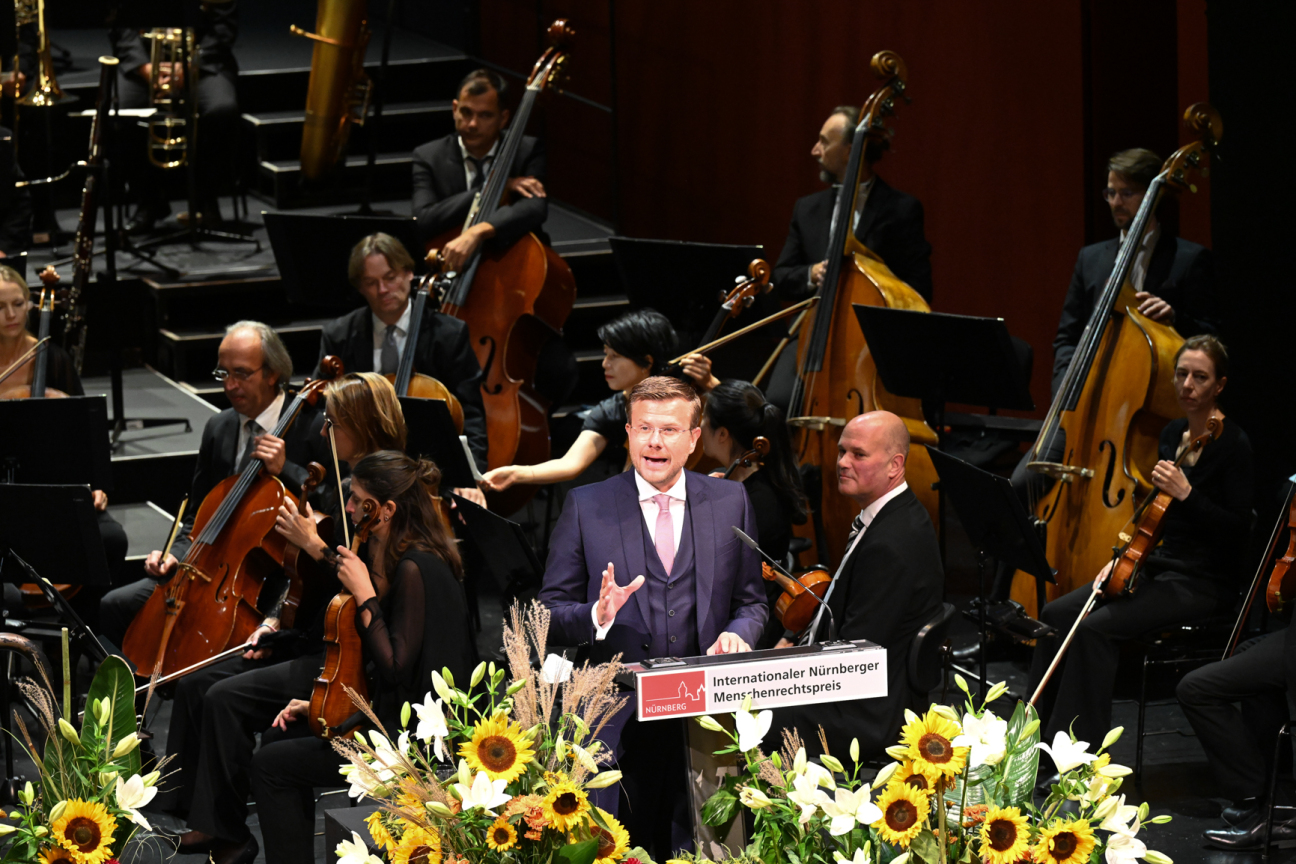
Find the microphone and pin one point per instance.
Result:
(755, 547)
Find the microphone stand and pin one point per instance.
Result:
(755, 547)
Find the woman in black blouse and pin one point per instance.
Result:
(1186, 578)
(735, 414)
(412, 618)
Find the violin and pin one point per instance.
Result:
(1281, 586)
(732, 304)
(1149, 522)
(330, 705)
(759, 450)
(513, 301)
(796, 607)
(297, 563)
(1116, 397)
(410, 383)
(210, 603)
(1282, 581)
(837, 378)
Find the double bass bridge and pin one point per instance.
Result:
(1058, 471)
(815, 424)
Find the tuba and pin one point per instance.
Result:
(46, 91)
(338, 95)
(173, 130)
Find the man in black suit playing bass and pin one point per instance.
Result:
(451, 171)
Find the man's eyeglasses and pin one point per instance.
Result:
(237, 374)
(1109, 194)
(669, 434)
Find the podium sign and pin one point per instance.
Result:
(831, 672)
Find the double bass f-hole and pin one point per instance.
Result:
(489, 342)
(1110, 449)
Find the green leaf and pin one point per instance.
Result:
(720, 810)
(579, 853)
(925, 846)
(114, 680)
(1017, 770)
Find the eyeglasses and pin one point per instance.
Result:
(669, 434)
(1109, 194)
(237, 374)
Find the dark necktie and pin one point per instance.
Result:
(253, 429)
(857, 525)
(390, 356)
(480, 177)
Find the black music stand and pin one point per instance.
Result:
(55, 528)
(55, 441)
(432, 435)
(312, 252)
(502, 545)
(997, 525)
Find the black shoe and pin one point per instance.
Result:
(146, 218)
(1241, 811)
(1249, 835)
(244, 854)
(202, 847)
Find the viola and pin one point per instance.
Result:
(513, 301)
(1149, 522)
(836, 376)
(331, 706)
(299, 566)
(410, 383)
(1116, 397)
(732, 304)
(210, 603)
(1282, 581)
(759, 450)
(796, 607)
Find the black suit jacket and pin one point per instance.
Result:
(891, 225)
(216, 30)
(891, 587)
(442, 199)
(1181, 273)
(443, 352)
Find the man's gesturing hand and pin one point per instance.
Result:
(612, 596)
(729, 643)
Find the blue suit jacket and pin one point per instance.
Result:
(603, 523)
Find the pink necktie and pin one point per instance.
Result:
(665, 540)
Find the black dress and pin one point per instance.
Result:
(774, 524)
(609, 418)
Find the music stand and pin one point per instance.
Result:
(502, 545)
(432, 435)
(997, 525)
(55, 441)
(55, 528)
(312, 253)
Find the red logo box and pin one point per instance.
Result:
(673, 693)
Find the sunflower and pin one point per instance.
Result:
(1005, 835)
(86, 830)
(499, 748)
(418, 846)
(904, 810)
(1067, 842)
(565, 806)
(501, 835)
(378, 831)
(923, 781)
(55, 855)
(928, 739)
(613, 841)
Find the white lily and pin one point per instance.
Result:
(1067, 754)
(1124, 849)
(431, 725)
(861, 857)
(752, 728)
(132, 795)
(849, 807)
(484, 793)
(354, 851)
(585, 758)
(987, 736)
(807, 795)
(753, 798)
(361, 784)
(799, 761)
(1123, 819)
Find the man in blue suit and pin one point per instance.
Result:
(692, 588)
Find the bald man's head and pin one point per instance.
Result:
(871, 456)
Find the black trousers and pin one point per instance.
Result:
(1239, 744)
(284, 774)
(214, 724)
(1082, 687)
(118, 608)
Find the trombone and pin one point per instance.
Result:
(173, 130)
(46, 93)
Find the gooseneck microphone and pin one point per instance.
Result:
(754, 546)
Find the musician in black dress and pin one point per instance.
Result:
(636, 346)
(1187, 577)
(734, 415)
(412, 617)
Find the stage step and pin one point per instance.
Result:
(277, 135)
(279, 182)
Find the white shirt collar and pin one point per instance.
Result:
(647, 490)
(402, 326)
(269, 418)
(464, 150)
(1149, 239)
(870, 512)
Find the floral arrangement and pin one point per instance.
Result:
(960, 790)
(527, 759)
(86, 804)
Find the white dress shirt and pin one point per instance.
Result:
(678, 504)
(1143, 255)
(267, 420)
(380, 333)
(470, 169)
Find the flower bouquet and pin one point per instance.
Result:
(527, 758)
(86, 804)
(960, 790)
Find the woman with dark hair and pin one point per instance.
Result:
(637, 345)
(735, 414)
(412, 618)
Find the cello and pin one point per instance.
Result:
(732, 304)
(1114, 400)
(235, 548)
(410, 383)
(836, 376)
(513, 301)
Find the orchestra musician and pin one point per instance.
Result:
(886, 220)
(1186, 578)
(450, 171)
(412, 617)
(254, 367)
(889, 585)
(644, 565)
(1239, 745)
(372, 338)
(635, 346)
(215, 30)
(225, 706)
(734, 415)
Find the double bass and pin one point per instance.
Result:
(406, 381)
(513, 301)
(210, 602)
(1114, 400)
(837, 378)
